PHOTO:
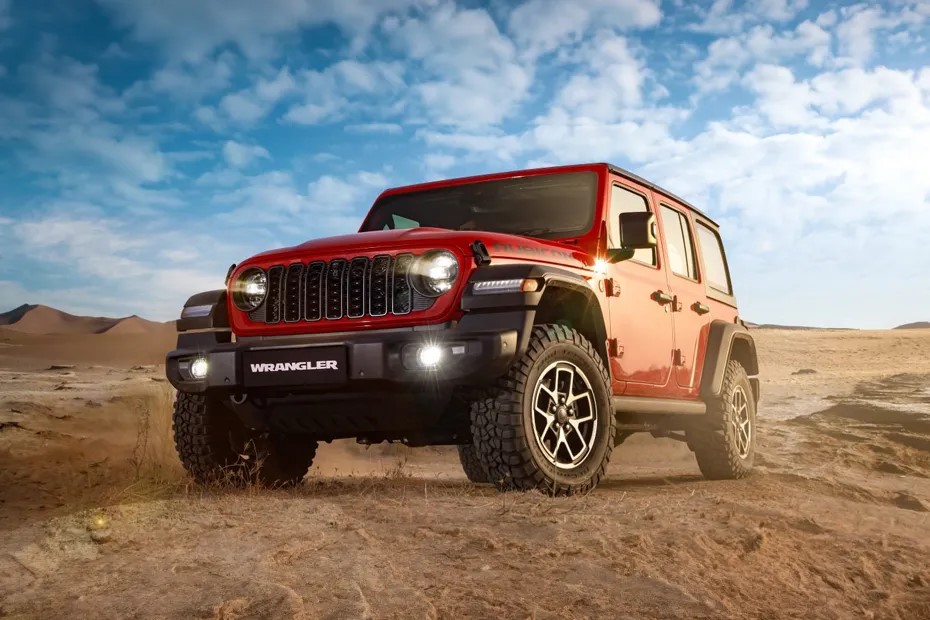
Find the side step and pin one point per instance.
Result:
(669, 406)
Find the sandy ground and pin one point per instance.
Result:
(98, 521)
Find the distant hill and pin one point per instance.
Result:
(39, 319)
(917, 325)
(793, 327)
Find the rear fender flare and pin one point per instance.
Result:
(723, 340)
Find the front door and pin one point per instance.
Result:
(640, 318)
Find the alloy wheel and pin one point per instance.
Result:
(564, 415)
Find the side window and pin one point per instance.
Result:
(623, 200)
(678, 243)
(715, 264)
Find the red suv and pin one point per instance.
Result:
(535, 319)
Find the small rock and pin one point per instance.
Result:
(61, 367)
(805, 371)
(486, 567)
(101, 536)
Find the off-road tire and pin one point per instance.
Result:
(214, 447)
(474, 469)
(713, 439)
(502, 432)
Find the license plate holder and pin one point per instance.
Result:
(294, 367)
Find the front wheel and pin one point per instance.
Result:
(549, 424)
(215, 447)
(472, 466)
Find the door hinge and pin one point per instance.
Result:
(679, 358)
(614, 348)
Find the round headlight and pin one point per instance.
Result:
(249, 289)
(435, 272)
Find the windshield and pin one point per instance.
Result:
(548, 206)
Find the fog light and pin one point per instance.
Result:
(429, 356)
(199, 368)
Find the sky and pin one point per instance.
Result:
(145, 146)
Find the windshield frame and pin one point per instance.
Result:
(595, 209)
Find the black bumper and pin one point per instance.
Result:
(364, 359)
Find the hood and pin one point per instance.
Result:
(503, 246)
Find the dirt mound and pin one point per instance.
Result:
(137, 325)
(917, 325)
(883, 426)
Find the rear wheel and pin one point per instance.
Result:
(549, 424)
(214, 446)
(724, 443)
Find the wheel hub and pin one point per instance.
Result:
(564, 415)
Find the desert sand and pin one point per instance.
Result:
(97, 519)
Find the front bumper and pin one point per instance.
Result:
(372, 358)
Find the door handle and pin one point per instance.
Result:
(663, 298)
(700, 308)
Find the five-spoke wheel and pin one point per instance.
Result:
(564, 414)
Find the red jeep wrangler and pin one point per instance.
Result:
(534, 319)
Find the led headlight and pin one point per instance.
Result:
(435, 272)
(249, 289)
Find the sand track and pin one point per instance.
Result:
(835, 523)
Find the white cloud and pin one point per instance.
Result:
(723, 18)
(541, 26)
(186, 81)
(856, 32)
(330, 205)
(191, 31)
(240, 155)
(252, 104)
(365, 128)
(116, 257)
(346, 86)
(5, 20)
(480, 87)
(728, 57)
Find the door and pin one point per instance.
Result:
(640, 321)
(691, 312)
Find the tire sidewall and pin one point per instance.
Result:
(741, 380)
(587, 469)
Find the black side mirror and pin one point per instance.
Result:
(638, 230)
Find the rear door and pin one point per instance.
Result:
(641, 324)
(691, 312)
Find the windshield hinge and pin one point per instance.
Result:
(482, 257)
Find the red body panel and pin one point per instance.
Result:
(660, 348)
(506, 248)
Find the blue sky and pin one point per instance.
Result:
(145, 146)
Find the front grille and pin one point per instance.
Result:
(352, 288)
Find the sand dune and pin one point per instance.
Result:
(31, 337)
(39, 319)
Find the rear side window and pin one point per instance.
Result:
(715, 264)
(678, 243)
(623, 200)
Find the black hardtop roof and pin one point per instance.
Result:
(635, 177)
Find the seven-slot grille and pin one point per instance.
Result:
(352, 288)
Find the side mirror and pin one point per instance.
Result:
(638, 230)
